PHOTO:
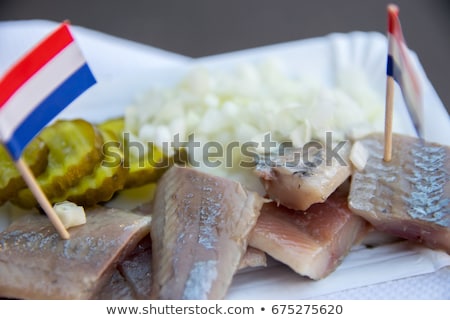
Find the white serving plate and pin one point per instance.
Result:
(126, 69)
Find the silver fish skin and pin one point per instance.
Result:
(199, 232)
(313, 242)
(304, 176)
(35, 263)
(408, 197)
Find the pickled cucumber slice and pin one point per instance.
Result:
(141, 170)
(115, 126)
(35, 156)
(108, 177)
(75, 149)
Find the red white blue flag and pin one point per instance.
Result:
(39, 86)
(400, 67)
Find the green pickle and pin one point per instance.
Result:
(142, 171)
(76, 161)
(75, 149)
(35, 156)
(116, 127)
(100, 186)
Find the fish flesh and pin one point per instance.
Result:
(35, 263)
(409, 196)
(313, 242)
(136, 269)
(199, 232)
(253, 258)
(131, 279)
(301, 177)
(117, 288)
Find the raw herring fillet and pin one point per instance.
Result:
(199, 233)
(136, 269)
(117, 288)
(409, 196)
(304, 176)
(311, 242)
(35, 263)
(132, 277)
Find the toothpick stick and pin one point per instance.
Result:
(388, 119)
(41, 198)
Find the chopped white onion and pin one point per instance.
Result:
(70, 214)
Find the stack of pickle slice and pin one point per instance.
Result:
(35, 155)
(77, 161)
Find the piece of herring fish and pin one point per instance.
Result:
(35, 263)
(409, 196)
(301, 177)
(199, 233)
(131, 279)
(313, 242)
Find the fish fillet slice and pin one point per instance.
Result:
(117, 288)
(131, 278)
(136, 269)
(312, 242)
(408, 197)
(199, 233)
(35, 263)
(297, 181)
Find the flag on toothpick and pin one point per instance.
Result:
(401, 70)
(400, 67)
(39, 86)
(34, 91)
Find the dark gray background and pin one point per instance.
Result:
(203, 27)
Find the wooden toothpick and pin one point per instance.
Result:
(41, 198)
(389, 113)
